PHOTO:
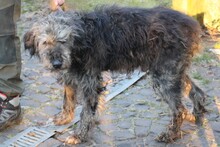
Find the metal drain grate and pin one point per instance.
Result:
(33, 136)
(30, 137)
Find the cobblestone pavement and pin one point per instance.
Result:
(133, 118)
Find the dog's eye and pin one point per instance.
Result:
(44, 43)
(62, 42)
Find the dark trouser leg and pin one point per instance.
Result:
(10, 57)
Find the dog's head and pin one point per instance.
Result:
(51, 39)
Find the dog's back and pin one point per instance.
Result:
(133, 37)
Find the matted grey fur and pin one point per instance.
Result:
(158, 40)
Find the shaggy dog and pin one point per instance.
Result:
(80, 45)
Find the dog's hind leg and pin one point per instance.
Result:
(90, 87)
(198, 98)
(169, 87)
(69, 103)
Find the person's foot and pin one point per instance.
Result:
(10, 111)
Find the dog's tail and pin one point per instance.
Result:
(196, 41)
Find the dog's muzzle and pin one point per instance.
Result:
(56, 64)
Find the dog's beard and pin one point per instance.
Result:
(59, 74)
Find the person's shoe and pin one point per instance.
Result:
(9, 114)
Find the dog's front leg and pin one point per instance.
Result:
(90, 98)
(67, 113)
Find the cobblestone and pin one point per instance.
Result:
(124, 124)
(42, 98)
(141, 131)
(51, 110)
(122, 135)
(50, 142)
(30, 103)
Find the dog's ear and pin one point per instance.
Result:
(29, 42)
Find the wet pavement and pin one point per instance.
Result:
(133, 118)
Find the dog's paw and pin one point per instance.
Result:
(199, 120)
(168, 137)
(200, 117)
(72, 140)
(62, 118)
(189, 117)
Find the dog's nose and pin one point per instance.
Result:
(57, 64)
